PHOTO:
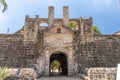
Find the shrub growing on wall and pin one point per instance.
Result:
(72, 25)
(96, 30)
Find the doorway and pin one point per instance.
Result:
(58, 64)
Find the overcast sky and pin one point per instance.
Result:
(105, 13)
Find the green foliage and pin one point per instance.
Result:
(4, 4)
(96, 30)
(4, 73)
(72, 25)
(55, 65)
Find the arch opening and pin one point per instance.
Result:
(58, 64)
(43, 24)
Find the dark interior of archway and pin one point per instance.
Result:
(63, 64)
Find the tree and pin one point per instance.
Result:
(4, 4)
(96, 30)
(55, 65)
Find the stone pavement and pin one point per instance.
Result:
(58, 78)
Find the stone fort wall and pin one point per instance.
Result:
(100, 51)
(13, 51)
(26, 47)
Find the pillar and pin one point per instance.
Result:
(65, 16)
(81, 26)
(51, 16)
(71, 67)
(47, 57)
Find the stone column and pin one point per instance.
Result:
(51, 16)
(70, 62)
(26, 19)
(92, 31)
(81, 26)
(47, 57)
(40, 62)
(65, 16)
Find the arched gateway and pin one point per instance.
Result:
(58, 64)
(64, 56)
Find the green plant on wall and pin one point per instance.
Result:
(96, 30)
(72, 25)
(4, 73)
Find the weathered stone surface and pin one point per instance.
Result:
(102, 73)
(22, 74)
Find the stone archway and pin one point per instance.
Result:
(62, 59)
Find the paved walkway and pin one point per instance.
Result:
(58, 78)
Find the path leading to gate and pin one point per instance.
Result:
(59, 78)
